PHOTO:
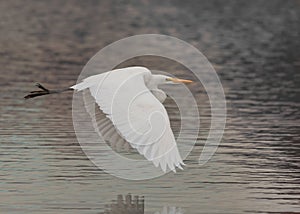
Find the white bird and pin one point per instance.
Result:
(132, 101)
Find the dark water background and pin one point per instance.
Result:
(253, 45)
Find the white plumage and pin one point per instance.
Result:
(130, 98)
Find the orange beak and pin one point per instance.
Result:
(175, 80)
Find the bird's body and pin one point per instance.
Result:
(132, 101)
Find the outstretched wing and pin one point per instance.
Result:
(104, 125)
(136, 114)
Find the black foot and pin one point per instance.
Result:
(33, 94)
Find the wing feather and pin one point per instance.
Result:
(136, 114)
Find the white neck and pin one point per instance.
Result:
(159, 94)
(152, 82)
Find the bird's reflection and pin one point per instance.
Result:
(170, 210)
(128, 205)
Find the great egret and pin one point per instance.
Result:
(131, 99)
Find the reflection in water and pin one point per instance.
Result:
(170, 210)
(254, 46)
(127, 206)
(135, 206)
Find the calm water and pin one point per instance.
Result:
(254, 46)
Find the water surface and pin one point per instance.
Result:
(252, 45)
